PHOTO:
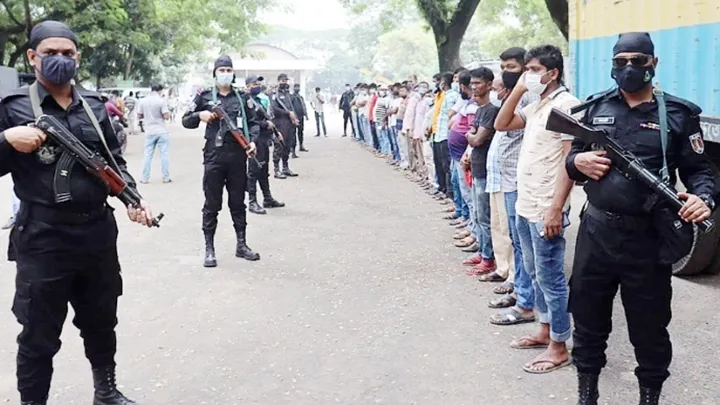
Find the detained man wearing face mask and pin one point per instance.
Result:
(66, 252)
(608, 253)
(224, 160)
(542, 207)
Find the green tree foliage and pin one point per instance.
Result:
(405, 51)
(132, 39)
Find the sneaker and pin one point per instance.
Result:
(10, 223)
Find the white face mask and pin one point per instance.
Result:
(494, 99)
(428, 101)
(422, 90)
(224, 79)
(455, 86)
(372, 91)
(534, 84)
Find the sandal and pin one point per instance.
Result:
(532, 343)
(504, 288)
(491, 278)
(555, 366)
(510, 316)
(506, 301)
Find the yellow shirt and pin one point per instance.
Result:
(439, 100)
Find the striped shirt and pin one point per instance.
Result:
(451, 97)
(493, 180)
(381, 107)
(508, 149)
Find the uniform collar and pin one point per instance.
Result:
(43, 94)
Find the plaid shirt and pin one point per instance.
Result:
(492, 178)
(451, 97)
(509, 150)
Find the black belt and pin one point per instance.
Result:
(618, 220)
(56, 216)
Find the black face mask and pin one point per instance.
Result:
(465, 96)
(633, 78)
(510, 79)
(297, 90)
(57, 69)
(284, 86)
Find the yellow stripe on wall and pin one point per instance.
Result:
(600, 18)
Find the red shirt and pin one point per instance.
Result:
(373, 101)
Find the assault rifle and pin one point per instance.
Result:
(234, 130)
(93, 162)
(278, 136)
(622, 160)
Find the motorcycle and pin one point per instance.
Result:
(119, 124)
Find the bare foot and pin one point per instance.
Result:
(554, 357)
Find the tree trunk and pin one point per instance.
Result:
(98, 80)
(15, 56)
(559, 12)
(129, 62)
(449, 55)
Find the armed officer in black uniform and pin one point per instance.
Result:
(286, 120)
(628, 238)
(298, 102)
(224, 159)
(260, 174)
(65, 251)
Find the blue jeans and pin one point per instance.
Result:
(393, 136)
(367, 131)
(461, 208)
(162, 141)
(383, 138)
(15, 204)
(481, 204)
(522, 280)
(544, 260)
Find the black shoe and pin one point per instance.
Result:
(273, 203)
(287, 172)
(317, 136)
(302, 149)
(34, 402)
(587, 389)
(255, 208)
(344, 135)
(649, 396)
(242, 249)
(294, 155)
(106, 392)
(210, 260)
(279, 175)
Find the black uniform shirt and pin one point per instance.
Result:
(33, 173)
(282, 106)
(263, 118)
(298, 104)
(638, 130)
(204, 101)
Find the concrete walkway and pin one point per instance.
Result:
(359, 299)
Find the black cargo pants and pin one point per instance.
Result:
(260, 174)
(225, 167)
(59, 264)
(611, 254)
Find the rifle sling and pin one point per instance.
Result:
(219, 138)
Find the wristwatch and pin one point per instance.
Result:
(708, 200)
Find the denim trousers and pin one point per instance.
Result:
(393, 136)
(367, 131)
(481, 208)
(383, 138)
(461, 207)
(521, 279)
(544, 263)
(162, 142)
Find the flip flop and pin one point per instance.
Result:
(510, 317)
(503, 302)
(504, 288)
(533, 344)
(555, 366)
(491, 278)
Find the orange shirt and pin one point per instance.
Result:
(439, 100)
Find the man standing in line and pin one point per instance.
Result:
(345, 100)
(154, 111)
(65, 252)
(542, 207)
(286, 120)
(446, 99)
(319, 106)
(224, 159)
(298, 102)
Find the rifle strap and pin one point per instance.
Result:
(241, 112)
(662, 116)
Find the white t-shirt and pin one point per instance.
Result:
(394, 103)
(364, 109)
(152, 108)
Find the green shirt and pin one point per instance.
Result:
(265, 100)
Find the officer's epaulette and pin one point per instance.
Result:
(693, 108)
(204, 90)
(594, 99)
(18, 92)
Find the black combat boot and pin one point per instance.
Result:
(287, 172)
(302, 148)
(279, 174)
(210, 260)
(106, 392)
(254, 207)
(243, 250)
(34, 402)
(268, 200)
(294, 155)
(649, 396)
(587, 389)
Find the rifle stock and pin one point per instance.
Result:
(93, 163)
(622, 159)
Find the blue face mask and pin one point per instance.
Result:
(255, 90)
(57, 69)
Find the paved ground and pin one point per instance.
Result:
(359, 299)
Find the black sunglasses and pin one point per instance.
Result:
(637, 60)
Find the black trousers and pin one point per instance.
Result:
(225, 167)
(260, 174)
(376, 140)
(287, 129)
(608, 257)
(300, 133)
(441, 158)
(59, 264)
(347, 117)
(320, 119)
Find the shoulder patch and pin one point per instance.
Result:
(697, 143)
